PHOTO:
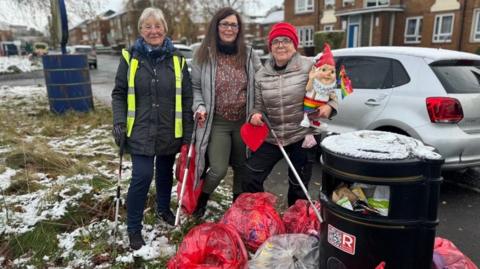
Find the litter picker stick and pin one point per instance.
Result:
(290, 164)
(185, 174)
(119, 179)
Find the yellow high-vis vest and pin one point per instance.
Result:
(178, 63)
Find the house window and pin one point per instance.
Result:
(348, 2)
(328, 28)
(303, 6)
(413, 30)
(377, 3)
(329, 3)
(476, 26)
(442, 30)
(305, 35)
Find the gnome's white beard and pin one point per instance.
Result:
(319, 86)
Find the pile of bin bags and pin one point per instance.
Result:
(288, 242)
(364, 198)
(447, 256)
(252, 223)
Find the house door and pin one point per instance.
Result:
(353, 35)
(353, 31)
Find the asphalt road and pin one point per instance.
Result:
(459, 205)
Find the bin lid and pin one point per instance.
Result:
(379, 145)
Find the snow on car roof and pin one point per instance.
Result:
(379, 145)
(182, 47)
(431, 53)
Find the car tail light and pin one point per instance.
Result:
(444, 110)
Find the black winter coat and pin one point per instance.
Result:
(154, 128)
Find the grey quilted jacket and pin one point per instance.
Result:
(279, 94)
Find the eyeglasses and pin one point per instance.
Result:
(226, 25)
(149, 28)
(283, 40)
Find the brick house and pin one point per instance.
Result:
(116, 29)
(304, 14)
(449, 24)
(123, 28)
(98, 29)
(272, 17)
(78, 35)
(5, 32)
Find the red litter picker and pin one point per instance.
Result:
(185, 176)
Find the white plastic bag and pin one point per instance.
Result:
(287, 251)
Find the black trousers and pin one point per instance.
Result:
(261, 163)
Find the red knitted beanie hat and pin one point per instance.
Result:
(283, 29)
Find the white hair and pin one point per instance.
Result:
(156, 13)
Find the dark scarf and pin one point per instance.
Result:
(155, 54)
(229, 49)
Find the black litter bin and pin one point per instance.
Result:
(403, 237)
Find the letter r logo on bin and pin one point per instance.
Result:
(341, 240)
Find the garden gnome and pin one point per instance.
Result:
(320, 88)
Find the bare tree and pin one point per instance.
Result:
(208, 8)
(80, 10)
(177, 14)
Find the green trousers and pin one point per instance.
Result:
(225, 147)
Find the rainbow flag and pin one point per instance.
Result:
(310, 104)
(345, 83)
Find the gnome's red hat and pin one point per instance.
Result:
(326, 58)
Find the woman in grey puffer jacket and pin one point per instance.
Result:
(223, 87)
(279, 91)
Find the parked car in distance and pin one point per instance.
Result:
(84, 49)
(429, 94)
(187, 52)
(8, 48)
(40, 48)
(195, 46)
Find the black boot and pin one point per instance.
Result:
(167, 216)
(136, 240)
(201, 206)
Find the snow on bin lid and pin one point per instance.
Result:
(379, 145)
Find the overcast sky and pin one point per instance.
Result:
(260, 9)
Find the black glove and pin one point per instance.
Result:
(119, 133)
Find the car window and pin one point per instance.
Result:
(400, 75)
(338, 64)
(458, 76)
(368, 72)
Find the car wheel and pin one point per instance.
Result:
(393, 130)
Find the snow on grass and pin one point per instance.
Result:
(41, 205)
(61, 197)
(15, 64)
(5, 178)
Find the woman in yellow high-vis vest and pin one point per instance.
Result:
(151, 105)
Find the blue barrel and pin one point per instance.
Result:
(68, 83)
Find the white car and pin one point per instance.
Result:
(87, 50)
(429, 94)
